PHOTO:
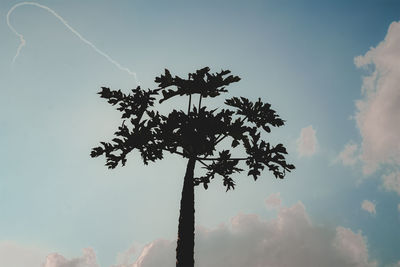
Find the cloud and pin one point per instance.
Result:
(273, 201)
(378, 113)
(290, 239)
(307, 142)
(87, 260)
(391, 182)
(352, 247)
(368, 206)
(123, 258)
(16, 255)
(13, 254)
(349, 155)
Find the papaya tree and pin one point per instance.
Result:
(195, 134)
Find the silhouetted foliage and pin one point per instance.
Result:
(195, 133)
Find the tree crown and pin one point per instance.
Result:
(196, 132)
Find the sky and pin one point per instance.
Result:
(331, 70)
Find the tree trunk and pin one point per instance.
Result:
(185, 242)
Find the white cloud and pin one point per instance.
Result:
(87, 260)
(288, 240)
(368, 206)
(391, 182)
(349, 155)
(378, 113)
(123, 258)
(158, 253)
(273, 201)
(16, 255)
(307, 142)
(353, 247)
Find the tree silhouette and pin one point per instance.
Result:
(194, 134)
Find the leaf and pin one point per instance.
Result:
(195, 132)
(235, 143)
(97, 151)
(205, 186)
(201, 82)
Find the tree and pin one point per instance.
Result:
(194, 134)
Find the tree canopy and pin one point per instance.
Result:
(195, 133)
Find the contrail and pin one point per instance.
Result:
(63, 21)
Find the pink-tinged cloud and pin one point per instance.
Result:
(391, 182)
(291, 239)
(123, 258)
(273, 201)
(349, 155)
(368, 206)
(307, 142)
(353, 247)
(87, 260)
(378, 113)
(13, 254)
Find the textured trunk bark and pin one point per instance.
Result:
(185, 242)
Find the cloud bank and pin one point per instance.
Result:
(15, 255)
(87, 260)
(378, 113)
(291, 239)
(307, 142)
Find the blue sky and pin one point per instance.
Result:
(297, 55)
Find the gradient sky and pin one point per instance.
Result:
(300, 56)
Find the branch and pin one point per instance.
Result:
(174, 152)
(220, 158)
(216, 142)
(190, 103)
(202, 162)
(179, 153)
(200, 102)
